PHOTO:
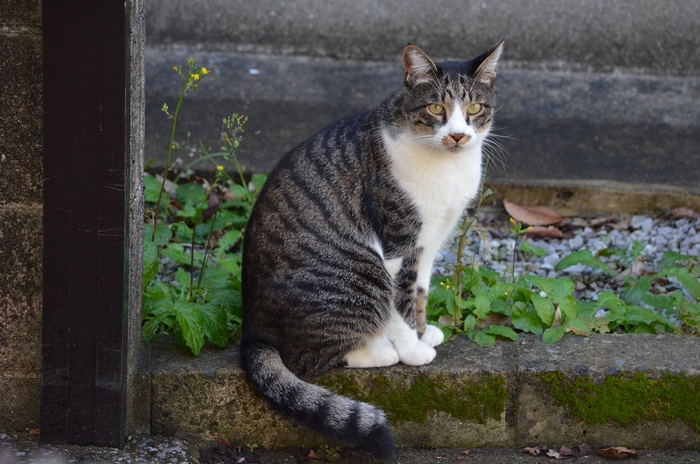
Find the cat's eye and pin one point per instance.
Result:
(436, 109)
(473, 108)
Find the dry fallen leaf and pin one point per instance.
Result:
(312, 455)
(534, 451)
(678, 213)
(618, 453)
(34, 432)
(540, 231)
(635, 270)
(223, 441)
(553, 454)
(532, 215)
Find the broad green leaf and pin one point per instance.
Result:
(232, 264)
(617, 307)
(637, 315)
(213, 319)
(634, 292)
(482, 303)
(557, 290)
(502, 331)
(176, 253)
(685, 278)
(544, 308)
(190, 194)
(182, 278)
(151, 189)
(258, 180)
(553, 335)
(490, 277)
(239, 191)
(671, 258)
(659, 301)
(577, 326)
(526, 321)
(224, 219)
(587, 309)
(481, 338)
(643, 328)
(229, 239)
(636, 250)
(189, 320)
(569, 306)
(584, 257)
(469, 323)
(501, 307)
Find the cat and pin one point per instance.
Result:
(339, 247)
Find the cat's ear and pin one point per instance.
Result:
(486, 72)
(417, 67)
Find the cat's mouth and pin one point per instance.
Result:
(455, 142)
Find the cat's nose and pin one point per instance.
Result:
(458, 137)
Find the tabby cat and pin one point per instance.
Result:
(339, 248)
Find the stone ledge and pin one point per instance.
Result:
(510, 395)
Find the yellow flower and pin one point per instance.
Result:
(219, 168)
(447, 286)
(205, 71)
(195, 76)
(174, 68)
(512, 221)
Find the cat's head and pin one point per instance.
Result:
(449, 106)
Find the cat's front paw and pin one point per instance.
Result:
(433, 336)
(421, 354)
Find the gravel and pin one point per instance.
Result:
(22, 448)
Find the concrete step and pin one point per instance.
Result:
(637, 391)
(586, 35)
(554, 126)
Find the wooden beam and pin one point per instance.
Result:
(86, 165)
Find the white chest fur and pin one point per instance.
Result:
(440, 183)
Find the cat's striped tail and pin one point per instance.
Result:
(332, 415)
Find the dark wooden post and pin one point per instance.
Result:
(86, 68)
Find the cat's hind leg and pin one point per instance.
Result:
(378, 351)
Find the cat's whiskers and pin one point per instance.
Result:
(495, 150)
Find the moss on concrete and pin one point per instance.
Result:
(411, 398)
(628, 398)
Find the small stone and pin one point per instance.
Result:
(208, 374)
(576, 242)
(582, 370)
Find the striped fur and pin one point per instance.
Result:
(338, 250)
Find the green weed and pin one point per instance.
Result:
(193, 240)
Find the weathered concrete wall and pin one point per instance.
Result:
(639, 391)
(20, 213)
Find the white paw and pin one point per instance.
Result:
(387, 356)
(420, 354)
(433, 336)
(376, 353)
